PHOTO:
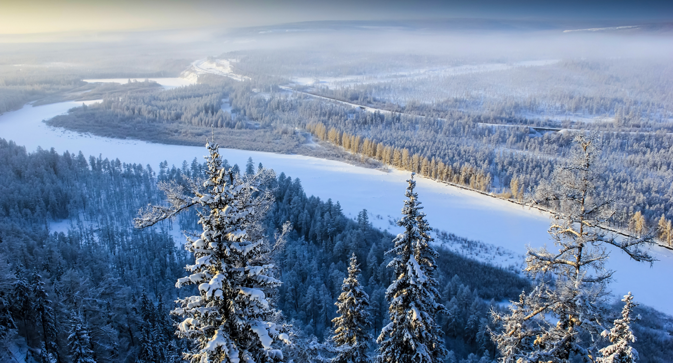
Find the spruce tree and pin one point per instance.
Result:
(150, 344)
(6, 321)
(230, 319)
(79, 342)
(413, 334)
(621, 337)
(351, 328)
(45, 314)
(572, 288)
(249, 167)
(21, 301)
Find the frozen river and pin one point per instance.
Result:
(451, 209)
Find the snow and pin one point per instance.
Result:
(217, 341)
(220, 67)
(602, 29)
(259, 327)
(166, 83)
(255, 294)
(475, 216)
(346, 81)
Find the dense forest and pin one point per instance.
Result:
(115, 283)
(105, 272)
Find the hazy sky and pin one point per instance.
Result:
(41, 16)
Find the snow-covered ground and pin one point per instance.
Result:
(346, 81)
(463, 213)
(166, 83)
(220, 67)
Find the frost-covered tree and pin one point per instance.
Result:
(45, 316)
(21, 301)
(79, 342)
(516, 339)
(551, 323)
(413, 334)
(351, 328)
(230, 320)
(621, 337)
(249, 167)
(151, 345)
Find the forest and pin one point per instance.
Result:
(113, 284)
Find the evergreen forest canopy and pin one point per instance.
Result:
(103, 289)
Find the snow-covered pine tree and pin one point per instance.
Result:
(413, 334)
(560, 312)
(21, 301)
(79, 342)
(620, 337)
(249, 167)
(45, 315)
(351, 328)
(230, 319)
(151, 348)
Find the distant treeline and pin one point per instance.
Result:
(401, 158)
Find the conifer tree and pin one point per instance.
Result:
(45, 315)
(621, 337)
(351, 327)
(413, 334)
(20, 297)
(230, 319)
(249, 167)
(6, 320)
(79, 342)
(150, 344)
(578, 288)
(45, 356)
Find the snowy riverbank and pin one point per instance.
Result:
(451, 209)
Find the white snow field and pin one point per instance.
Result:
(347, 81)
(166, 83)
(220, 67)
(457, 211)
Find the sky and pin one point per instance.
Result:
(58, 16)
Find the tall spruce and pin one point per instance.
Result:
(45, 316)
(561, 318)
(7, 323)
(352, 326)
(230, 319)
(621, 337)
(151, 346)
(79, 341)
(413, 334)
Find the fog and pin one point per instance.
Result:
(422, 43)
